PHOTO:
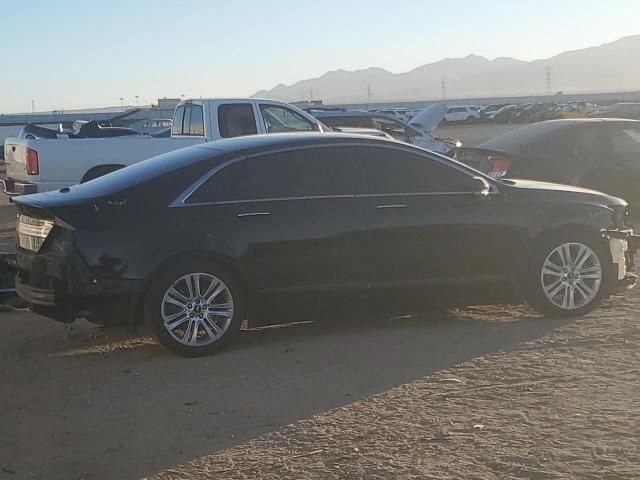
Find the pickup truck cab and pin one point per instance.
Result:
(39, 165)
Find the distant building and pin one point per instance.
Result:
(167, 103)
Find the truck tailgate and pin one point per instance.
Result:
(15, 158)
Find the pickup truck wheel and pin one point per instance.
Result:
(99, 172)
(194, 308)
(568, 274)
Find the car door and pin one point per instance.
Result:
(427, 225)
(290, 218)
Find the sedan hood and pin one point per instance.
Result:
(429, 118)
(548, 188)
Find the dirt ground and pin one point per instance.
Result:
(476, 393)
(484, 392)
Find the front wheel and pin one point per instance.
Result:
(194, 308)
(567, 275)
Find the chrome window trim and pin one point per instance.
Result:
(181, 200)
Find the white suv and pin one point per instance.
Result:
(461, 114)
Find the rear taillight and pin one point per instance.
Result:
(499, 166)
(33, 167)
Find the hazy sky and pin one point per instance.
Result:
(74, 54)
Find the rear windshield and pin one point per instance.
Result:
(140, 172)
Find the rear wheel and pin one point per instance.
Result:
(567, 275)
(194, 308)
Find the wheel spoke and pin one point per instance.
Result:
(175, 322)
(177, 295)
(591, 276)
(175, 302)
(217, 291)
(207, 329)
(221, 312)
(567, 298)
(565, 254)
(586, 291)
(210, 288)
(583, 255)
(553, 289)
(196, 285)
(187, 281)
(552, 269)
(214, 326)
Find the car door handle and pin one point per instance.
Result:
(395, 205)
(253, 214)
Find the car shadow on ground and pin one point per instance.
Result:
(127, 408)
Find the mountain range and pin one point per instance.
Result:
(605, 68)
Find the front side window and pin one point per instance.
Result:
(236, 120)
(392, 171)
(311, 172)
(279, 119)
(196, 125)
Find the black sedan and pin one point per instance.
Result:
(603, 154)
(197, 240)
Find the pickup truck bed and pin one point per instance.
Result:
(65, 163)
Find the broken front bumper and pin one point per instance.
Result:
(623, 245)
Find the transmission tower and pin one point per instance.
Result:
(549, 81)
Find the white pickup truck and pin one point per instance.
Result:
(39, 165)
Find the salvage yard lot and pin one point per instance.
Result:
(485, 392)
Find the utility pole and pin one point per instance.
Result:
(368, 94)
(444, 88)
(121, 100)
(33, 105)
(548, 81)
(310, 95)
(137, 105)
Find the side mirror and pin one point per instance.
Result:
(482, 187)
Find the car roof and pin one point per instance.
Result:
(511, 141)
(283, 140)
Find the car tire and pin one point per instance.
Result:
(179, 313)
(555, 289)
(470, 119)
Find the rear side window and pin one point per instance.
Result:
(393, 171)
(188, 120)
(279, 119)
(311, 172)
(236, 120)
(178, 116)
